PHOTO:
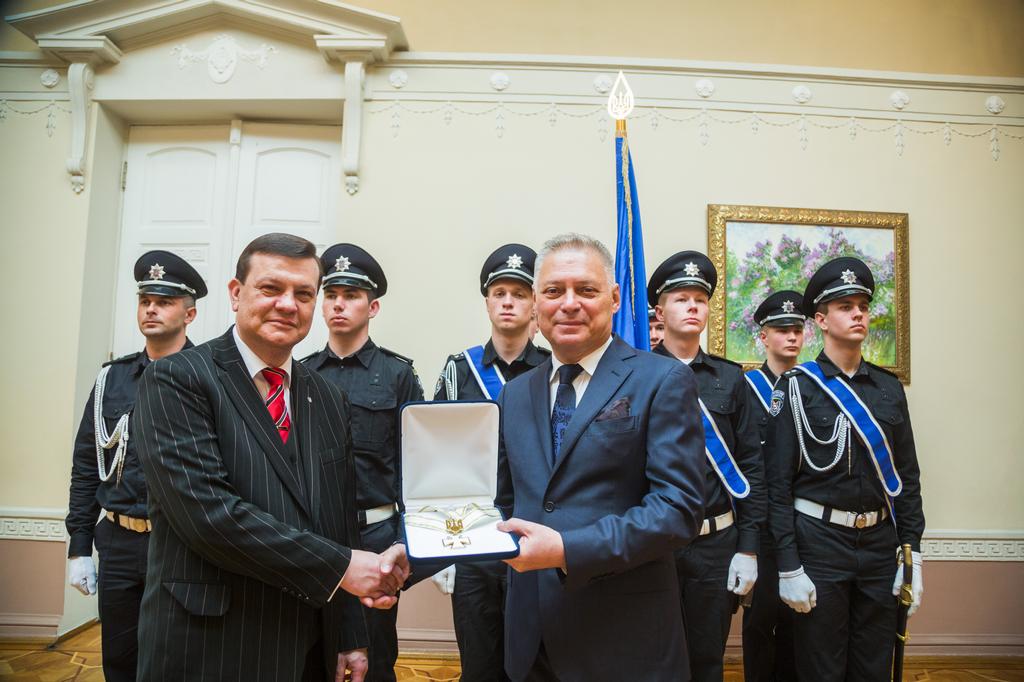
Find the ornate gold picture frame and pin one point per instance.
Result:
(760, 249)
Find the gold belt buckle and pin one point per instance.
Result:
(861, 520)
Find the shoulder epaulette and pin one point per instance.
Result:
(131, 357)
(399, 356)
(543, 350)
(725, 360)
(310, 357)
(456, 357)
(790, 373)
(882, 370)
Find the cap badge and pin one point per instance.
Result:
(788, 306)
(849, 277)
(156, 271)
(691, 269)
(342, 264)
(514, 261)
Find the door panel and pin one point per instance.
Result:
(191, 192)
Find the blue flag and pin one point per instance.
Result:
(630, 322)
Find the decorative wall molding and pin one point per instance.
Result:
(34, 627)
(50, 108)
(222, 56)
(730, 121)
(49, 78)
(352, 130)
(700, 68)
(80, 85)
(88, 34)
(29, 523)
(704, 87)
(960, 545)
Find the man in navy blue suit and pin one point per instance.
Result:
(602, 479)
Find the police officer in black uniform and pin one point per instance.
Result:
(767, 622)
(720, 565)
(478, 601)
(831, 517)
(106, 473)
(377, 382)
(655, 327)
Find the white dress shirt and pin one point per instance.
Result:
(580, 383)
(254, 366)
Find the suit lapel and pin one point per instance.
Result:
(540, 396)
(608, 376)
(247, 401)
(302, 412)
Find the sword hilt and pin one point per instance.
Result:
(907, 588)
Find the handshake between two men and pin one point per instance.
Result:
(376, 578)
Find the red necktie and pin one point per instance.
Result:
(275, 401)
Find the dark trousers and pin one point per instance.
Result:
(702, 568)
(314, 670)
(478, 607)
(382, 624)
(768, 627)
(849, 635)
(541, 670)
(120, 583)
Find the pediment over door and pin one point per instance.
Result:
(111, 47)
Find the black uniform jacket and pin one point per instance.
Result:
(88, 494)
(852, 485)
(377, 382)
(758, 409)
(725, 392)
(466, 384)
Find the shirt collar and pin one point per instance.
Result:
(142, 361)
(829, 368)
(528, 355)
(364, 355)
(701, 358)
(253, 364)
(768, 372)
(588, 363)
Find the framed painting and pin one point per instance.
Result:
(761, 249)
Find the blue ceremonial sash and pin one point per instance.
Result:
(862, 419)
(762, 387)
(488, 378)
(720, 457)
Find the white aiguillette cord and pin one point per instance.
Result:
(453, 521)
(105, 441)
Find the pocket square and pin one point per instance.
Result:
(617, 410)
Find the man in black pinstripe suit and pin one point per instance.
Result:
(252, 497)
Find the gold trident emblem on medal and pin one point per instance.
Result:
(453, 525)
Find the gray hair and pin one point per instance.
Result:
(574, 241)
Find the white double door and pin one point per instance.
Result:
(204, 192)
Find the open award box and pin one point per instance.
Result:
(449, 479)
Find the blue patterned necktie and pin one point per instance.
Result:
(565, 405)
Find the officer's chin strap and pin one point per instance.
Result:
(105, 441)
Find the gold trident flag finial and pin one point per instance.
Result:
(620, 99)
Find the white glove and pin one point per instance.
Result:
(445, 580)
(797, 590)
(742, 573)
(82, 574)
(918, 587)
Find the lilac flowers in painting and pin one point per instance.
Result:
(758, 250)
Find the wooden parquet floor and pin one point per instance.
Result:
(78, 658)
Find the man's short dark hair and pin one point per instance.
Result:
(277, 244)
